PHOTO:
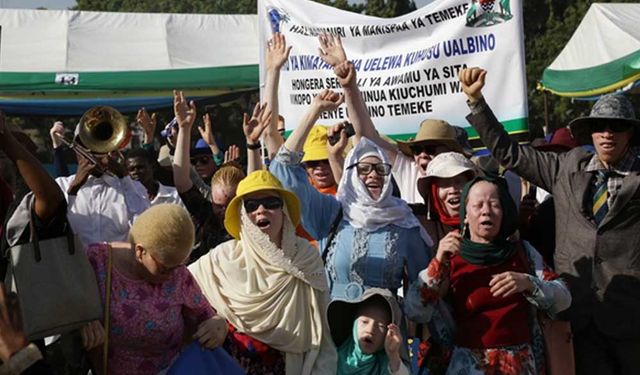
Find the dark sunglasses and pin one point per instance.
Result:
(614, 126)
(315, 163)
(363, 169)
(419, 149)
(201, 159)
(270, 203)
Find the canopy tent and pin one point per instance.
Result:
(602, 56)
(64, 62)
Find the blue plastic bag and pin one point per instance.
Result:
(196, 361)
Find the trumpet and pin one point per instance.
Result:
(101, 130)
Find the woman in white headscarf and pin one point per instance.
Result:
(269, 284)
(370, 238)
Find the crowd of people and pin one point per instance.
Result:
(332, 254)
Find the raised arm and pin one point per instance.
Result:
(333, 53)
(185, 116)
(253, 128)
(148, 124)
(59, 164)
(47, 193)
(327, 100)
(336, 151)
(206, 132)
(538, 167)
(277, 55)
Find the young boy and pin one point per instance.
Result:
(366, 333)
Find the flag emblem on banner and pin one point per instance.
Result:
(276, 17)
(483, 13)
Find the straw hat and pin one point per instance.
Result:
(315, 146)
(433, 132)
(255, 182)
(613, 107)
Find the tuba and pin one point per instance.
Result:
(103, 129)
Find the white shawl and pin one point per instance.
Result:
(275, 295)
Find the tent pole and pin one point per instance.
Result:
(546, 114)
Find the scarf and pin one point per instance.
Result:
(275, 295)
(352, 361)
(362, 211)
(500, 249)
(443, 216)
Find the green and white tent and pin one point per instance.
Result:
(602, 56)
(63, 62)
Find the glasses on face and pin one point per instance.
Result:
(204, 159)
(419, 149)
(270, 203)
(315, 163)
(613, 126)
(364, 169)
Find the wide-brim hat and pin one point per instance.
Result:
(446, 165)
(315, 146)
(433, 132)
(255, 182)
(614, 107)
(342, 310)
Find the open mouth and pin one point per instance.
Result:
(263, 223)
(486, 224)
(454, 202)
(607, 145)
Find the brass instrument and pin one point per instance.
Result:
(101, 130)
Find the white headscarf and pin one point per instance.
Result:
(275, 295)
(359, 209)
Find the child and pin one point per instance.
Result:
(366, 333)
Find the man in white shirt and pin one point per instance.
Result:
(140, 165)
(101, 207)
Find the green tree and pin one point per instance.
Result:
(165, 6)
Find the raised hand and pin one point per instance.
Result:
(448, 246)
(185, 112)
(346, 73)
(206, 131)
(56, 131)
(277, 52)
(254, 127)
(327, 100)
(472, 80)
(392, 343)
(337, 149)
(232, 154)
(331, 50)
(148, 124)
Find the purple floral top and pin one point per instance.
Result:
(147, 320)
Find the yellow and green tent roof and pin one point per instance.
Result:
(602, 56)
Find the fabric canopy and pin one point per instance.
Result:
(64, 62)
(602, 56)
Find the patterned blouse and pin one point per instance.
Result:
(148, 321)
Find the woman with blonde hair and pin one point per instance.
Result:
(269, 284)
(154, 300)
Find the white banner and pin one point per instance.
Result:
(407, 66)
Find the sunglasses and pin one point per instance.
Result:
(270, 203)
(364, 169)
(315, 163)
(419, 149)
(201, 159)
(614, 126)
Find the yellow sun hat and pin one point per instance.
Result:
(315, 146)
(255, 182)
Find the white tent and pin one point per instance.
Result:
(72, 58)
(602, 56)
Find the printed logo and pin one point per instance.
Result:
(276, 17)
(484, 13)
(67, 79)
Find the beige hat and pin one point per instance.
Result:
(433, 132)
(446, 165)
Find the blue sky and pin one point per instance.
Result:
(64, 4)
